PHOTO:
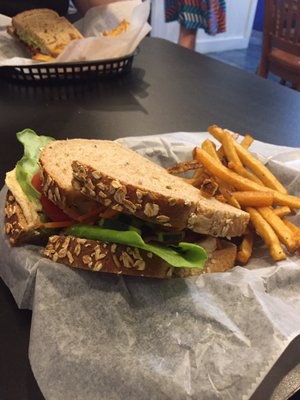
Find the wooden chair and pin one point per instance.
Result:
(281, 41)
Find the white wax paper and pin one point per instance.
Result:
(216, 336)
(94, 46)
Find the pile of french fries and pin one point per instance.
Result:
(231, 174)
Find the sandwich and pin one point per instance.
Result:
(125, 214)
(43, 32)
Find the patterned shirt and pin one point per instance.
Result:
(209, 15)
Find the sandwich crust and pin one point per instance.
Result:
(15, 224)
(119, 259)
(119, 178)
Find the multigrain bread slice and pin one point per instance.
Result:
(121, 179)
(43, 30)
(18, 229)
(119, 259)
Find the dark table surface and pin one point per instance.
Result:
(169, 89)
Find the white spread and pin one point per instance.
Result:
(29, 208)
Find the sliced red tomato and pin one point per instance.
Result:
(52, 211)
(49, 208)
(36, 182)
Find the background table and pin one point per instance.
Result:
(169, 89)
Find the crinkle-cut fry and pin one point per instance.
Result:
(257, 167)
(294, 228)
(241, 183)
(283, 232)
(241, 170)
(247, 141)
(282, 211)
(210, 148)
(266, 232)
(254, 198)
(229, 149)
(245, 248)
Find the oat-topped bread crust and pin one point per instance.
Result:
(119, 259)
(46, 30)
(16, 226)
(121, 179)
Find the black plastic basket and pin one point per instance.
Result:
(68, 71)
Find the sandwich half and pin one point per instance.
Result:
(44, 32)
(146, 221)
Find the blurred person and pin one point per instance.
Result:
(192, 15)
(13, 7)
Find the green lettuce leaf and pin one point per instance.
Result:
(28, 166)
(185, 255)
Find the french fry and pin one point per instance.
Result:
(245, 248)
(229, 149)
(245, 182)
(250, 161)
(259, 169)
(239, 169)
(266, 232)
(294, 228)
(241, 183)
(227, 194)
(122, 27)
(283, 199)
(283, 232)
(216, 132)
(221, 198)
(225, 174)
(282, 211)
(209, 187)
(184, 166)
(210, 148)
(247, 141)
(254, 199)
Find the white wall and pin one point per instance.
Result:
(240, 16)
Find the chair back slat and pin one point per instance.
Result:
(281, 41)
(285, 25)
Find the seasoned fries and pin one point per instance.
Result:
(254, 199)
(283, 232)
(184, 167)
(122, 27)
(247, 141)
(232, 175)
(265, 231)
(245, 248)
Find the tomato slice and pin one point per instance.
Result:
(52, 211)
(37, 182)
(49, 208)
